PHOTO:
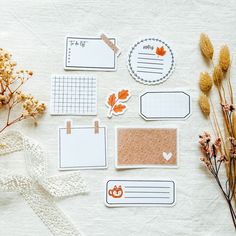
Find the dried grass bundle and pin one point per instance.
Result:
(223, 148)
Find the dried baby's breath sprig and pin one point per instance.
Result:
(217, 75)
(206, 46)
(224, 58)
(205, 82)
(204, 104)
(10, 97)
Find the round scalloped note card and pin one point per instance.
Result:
(151, 61)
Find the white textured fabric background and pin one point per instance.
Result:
(34, 32)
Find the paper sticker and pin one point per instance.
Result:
(124, 193)
(116, 103)
(83, 147)
(165, 105)
(87, 53)
(73, 95)
(146, 147)
(151, 61)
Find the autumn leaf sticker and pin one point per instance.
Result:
(160, 51)
(116, 102)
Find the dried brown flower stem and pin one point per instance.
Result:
(213, 159)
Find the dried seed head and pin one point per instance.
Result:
(205, 82)
(224, 58)
(217, 75)
(206, 46)
(204, 104)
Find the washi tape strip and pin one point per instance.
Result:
(110, 44)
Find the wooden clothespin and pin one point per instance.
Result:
(96, 127)
(110, 44)
(68, 127)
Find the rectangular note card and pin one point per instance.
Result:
(124, 193)
(143, 147)
(73, 95)
(165, 105)
(88, 53)
(82, 148)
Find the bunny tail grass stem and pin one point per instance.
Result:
(217, 127)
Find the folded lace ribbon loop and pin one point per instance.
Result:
(37, 189)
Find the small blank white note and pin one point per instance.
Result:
(82, 148)
(140, 193)
(165, 105)
(86, 53)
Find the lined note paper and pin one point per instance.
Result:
(140, 193)
(151, 61)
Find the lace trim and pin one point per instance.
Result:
(37, 189)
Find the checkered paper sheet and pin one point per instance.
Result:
(73, 95)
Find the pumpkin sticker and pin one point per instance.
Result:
(116, 103)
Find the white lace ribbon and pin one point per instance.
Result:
(37, 189)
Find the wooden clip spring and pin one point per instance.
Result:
(68, 127)
(96, 127)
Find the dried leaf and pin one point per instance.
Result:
(123, 94)
(119, 108)
(111, 100)
(160, 51)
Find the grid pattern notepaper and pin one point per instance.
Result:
(73, 95)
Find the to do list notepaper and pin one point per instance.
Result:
(89, 54)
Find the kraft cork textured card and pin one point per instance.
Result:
(139, 147)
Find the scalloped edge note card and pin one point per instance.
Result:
(151, 61)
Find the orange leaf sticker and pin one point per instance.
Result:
(160, 51)
(123, 94)
(112, 100)
(116, 102)
(119, 108)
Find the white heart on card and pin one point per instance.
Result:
(167, 156)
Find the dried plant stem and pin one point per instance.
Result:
(228, 200)
(20, 118)
(217, 128)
